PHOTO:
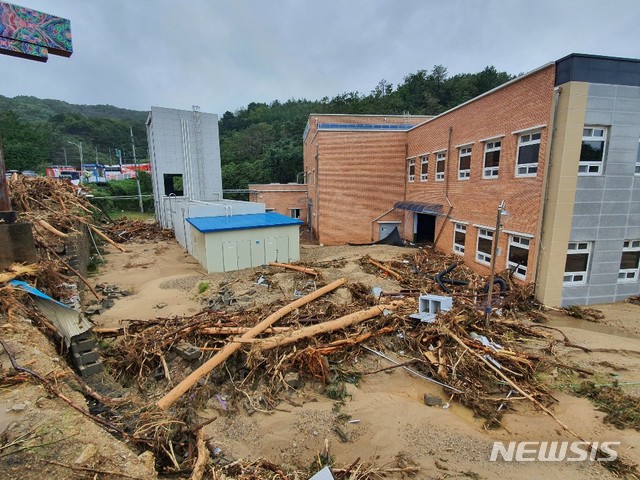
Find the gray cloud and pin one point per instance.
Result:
(223, 54)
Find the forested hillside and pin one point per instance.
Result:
(260, 143)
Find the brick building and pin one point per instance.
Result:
(559, 145)
(288, 199)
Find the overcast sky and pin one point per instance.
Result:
(223, 54)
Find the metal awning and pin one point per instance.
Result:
(431, 208)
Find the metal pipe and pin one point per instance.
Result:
(410, 370)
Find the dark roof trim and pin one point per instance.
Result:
(579, 67)
(418, 207)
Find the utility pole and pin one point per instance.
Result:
(494, 255)
(64, 149)
(79, 145)
(5, 201)
(135, 165)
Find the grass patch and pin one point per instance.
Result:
(623, 411)
(117, 215)
(203, 287)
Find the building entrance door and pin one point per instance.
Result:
(425, 228)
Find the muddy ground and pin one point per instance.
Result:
(388, 422)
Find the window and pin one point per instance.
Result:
(592, 151)
(294, 212)
(440, 159)
(491, 159)
(459, 237)
(528, 152)
(630, 262)
(269, 210)
(485, 241)
(518, 256)
(577, 263)
(638, 159)
(173, 184)
(412, 169)
(424, 168)
(464, 166)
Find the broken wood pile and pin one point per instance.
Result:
(127, 230)
(56, 209)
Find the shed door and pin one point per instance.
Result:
(270, 249)
(385, 228)
(283, 249)
(257, 253)
(229, 256)
(244, 254)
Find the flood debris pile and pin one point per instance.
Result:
(127, 230)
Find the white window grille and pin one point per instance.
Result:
(424, 168)
(577, 263)
(440, 159)
(464, 163)
(491, 159)
(594, 140)
(459, 237)
(485, 242)
(412, 169)
(518, 257)
(630, 261)
(528, 153)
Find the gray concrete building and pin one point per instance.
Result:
(184, 148)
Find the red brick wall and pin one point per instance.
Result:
(360, 176)
(281, 197)
(523, 104)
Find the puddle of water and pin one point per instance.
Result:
(566, 321)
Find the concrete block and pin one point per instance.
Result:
(86, 358)
(90, 369)
(82, 346)
(187, 351)
(17, 244)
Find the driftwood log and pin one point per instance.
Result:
(297, 268)
(313, 330)
(220, 357)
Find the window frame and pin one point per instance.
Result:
(529, 169)
(292, 210)
(575, 248)
(518, 241)
(584, 166)
(440, 157)
(458, 248)
(411, 177)
(629, 246)
(466, 151)
(424, 160)
(489, 147)
(486, 234)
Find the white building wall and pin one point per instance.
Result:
(185, 143)
(181, 209)
(238, 249)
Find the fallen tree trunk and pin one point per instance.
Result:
(297, 268)
(330, 326)
(394, 274)
(105, 238)
(51, 229)
(229, 349)
(237, 330)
